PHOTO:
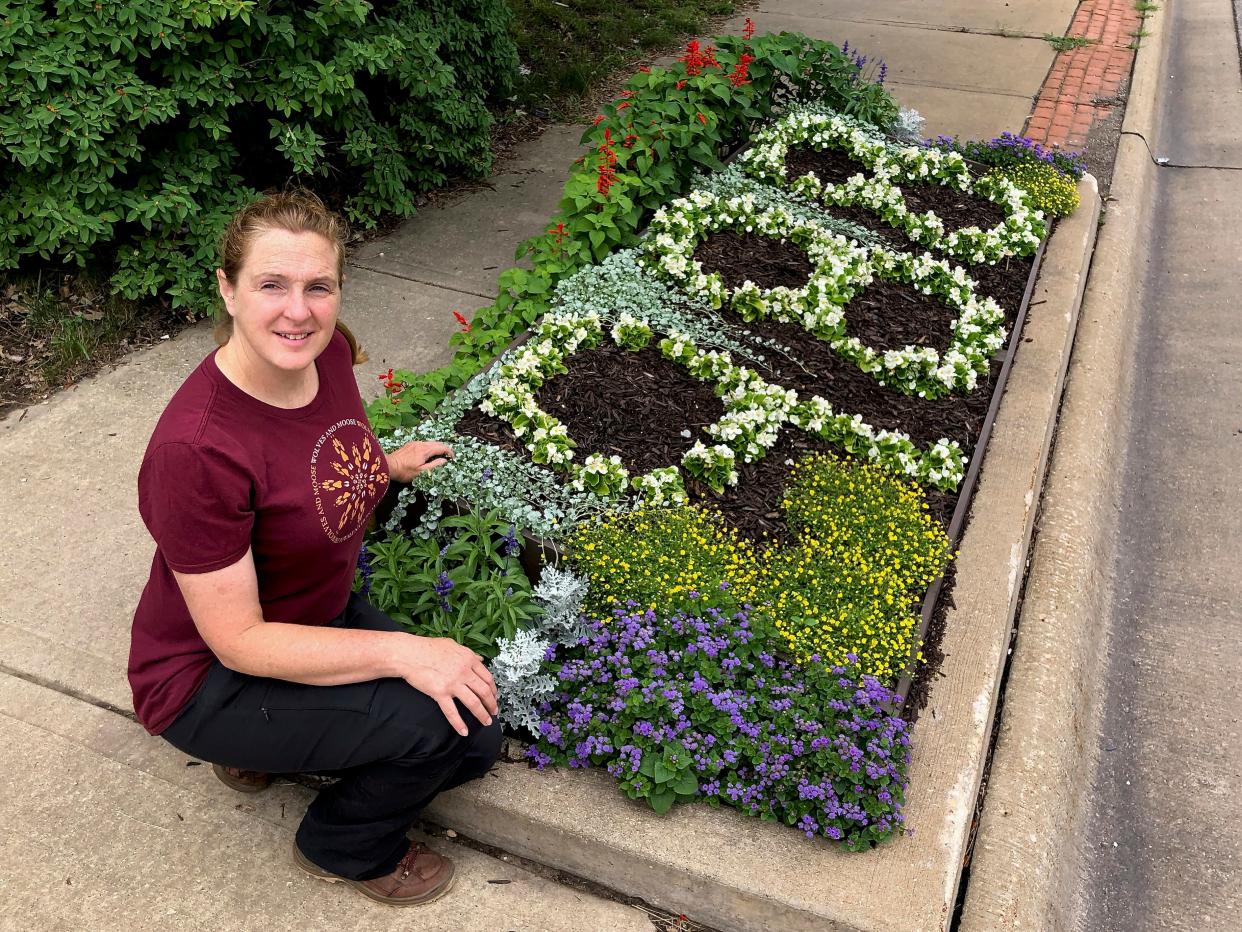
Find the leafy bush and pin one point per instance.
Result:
(465, 582)
(131, 132)
(644, 148)
(695, 705)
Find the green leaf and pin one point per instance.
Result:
(662, 801)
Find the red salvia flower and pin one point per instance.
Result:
(607, 165)
(558, 232)
(740, 74)
(679, 85)
(702, 119)
(694, 59)
(599, 119)
(465, 325)
(748, 28)
(621, 106)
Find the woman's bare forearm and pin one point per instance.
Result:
(316, 656)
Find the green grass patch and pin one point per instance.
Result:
(569, 48)
(1066, 43)
(56, 330)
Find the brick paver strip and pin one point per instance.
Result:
(1082, 83)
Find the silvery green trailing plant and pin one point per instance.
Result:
(492, 479)
(623, 291)
(879, 189)
(519, 668)
(464, 582)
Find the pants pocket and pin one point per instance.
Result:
(283, 696)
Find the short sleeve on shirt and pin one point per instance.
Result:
(196, 502)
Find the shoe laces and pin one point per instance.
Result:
(406, 864)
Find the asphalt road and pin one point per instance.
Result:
(1163, 842)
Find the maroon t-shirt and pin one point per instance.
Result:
(225, 472)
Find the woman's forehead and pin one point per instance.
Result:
(280, 251)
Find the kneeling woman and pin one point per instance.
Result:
(249, 649)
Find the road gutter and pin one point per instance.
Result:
(1028, 847)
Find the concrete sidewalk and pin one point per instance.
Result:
(78, 554)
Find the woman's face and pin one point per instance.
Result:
(286, 299)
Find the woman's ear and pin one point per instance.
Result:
(226, 290)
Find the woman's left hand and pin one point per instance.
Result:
(404, 463)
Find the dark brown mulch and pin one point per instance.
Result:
(474, 423)
(831, 166)
(933, 656)
(892, 315)
(753, 506)
(635, 405)
(957, 210)
(815, 369)
(767, 262)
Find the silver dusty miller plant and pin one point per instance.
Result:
(516, 668)
(908, 127)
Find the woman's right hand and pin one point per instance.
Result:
(444, 670)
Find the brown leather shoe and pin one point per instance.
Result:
(420, 877)
(244, 781)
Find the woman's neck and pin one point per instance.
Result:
(276, 387)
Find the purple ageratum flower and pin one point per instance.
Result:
(666, 701)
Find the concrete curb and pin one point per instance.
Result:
(1026, 852)
(735, 873)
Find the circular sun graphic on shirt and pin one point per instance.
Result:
(348, 478)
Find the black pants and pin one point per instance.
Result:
(390, 744)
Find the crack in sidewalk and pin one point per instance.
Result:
(422, 281)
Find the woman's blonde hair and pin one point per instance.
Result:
(295, 211)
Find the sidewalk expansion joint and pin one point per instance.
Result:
(422, 281)
(999, 33)
(69, 691)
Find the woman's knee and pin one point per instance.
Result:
(427, 730)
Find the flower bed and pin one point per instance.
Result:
(743, 437)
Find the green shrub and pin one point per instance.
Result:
(130, 132)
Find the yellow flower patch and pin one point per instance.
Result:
(864, 551)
